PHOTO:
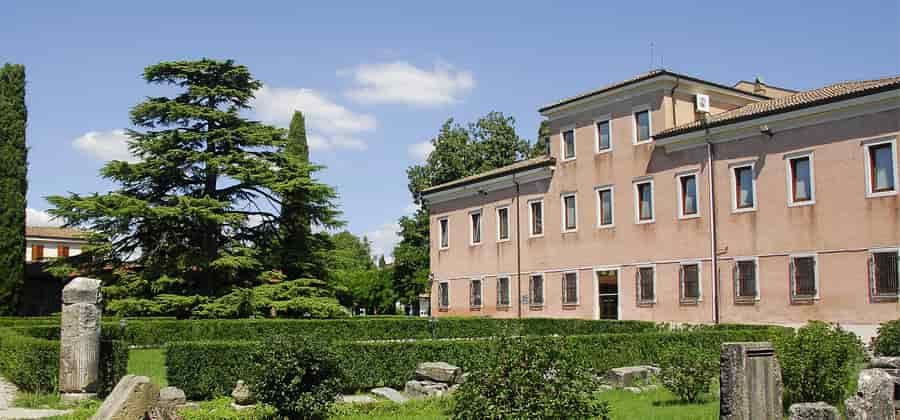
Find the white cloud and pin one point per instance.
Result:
(105, 145)
(335, 142)
(404, 83)
(34, 217)
(411, 208)
(384, 239)
(420, 151)
(277, 106)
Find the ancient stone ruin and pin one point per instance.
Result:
(79, 352)
(750, 382)
(875, 396)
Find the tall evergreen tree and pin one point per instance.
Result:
(184, 209)
(13, 184)
(299, 249)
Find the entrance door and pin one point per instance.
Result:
(608, 294)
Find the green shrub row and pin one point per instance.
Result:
(887, 343)
(33, 363)
(209, 369)
(160, 332)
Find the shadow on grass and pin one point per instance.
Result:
(677, 402)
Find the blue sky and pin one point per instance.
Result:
(376, 79)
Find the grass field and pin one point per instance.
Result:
(150, 363)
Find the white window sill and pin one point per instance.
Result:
(645, 222)
(638, 143)
(802, 203)
(500, 241)
(602, 227)
(603, 152)
(743, 210)
(570, 231)
(881, 194)
(569, 159)
(689, 216)
(536, 236)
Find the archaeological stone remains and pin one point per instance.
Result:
(750, 381)
(79, 352)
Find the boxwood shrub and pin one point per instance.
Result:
(887, 343)
(209, 369)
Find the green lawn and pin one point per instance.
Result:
(149, 362)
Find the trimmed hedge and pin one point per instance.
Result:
(33, 363)
(158, 332)
(209, 369)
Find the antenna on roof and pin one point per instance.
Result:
(651, 55)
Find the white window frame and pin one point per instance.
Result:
(873, 291)
(637, 201)
(441, 304)
(789, 176)
(442, 235)
(508, 224)
(508, 291)
(682, 298)
(562, 143)
(868, 165)
(608, 120)
(472, 227)
(612, 206)
(634, 124)
(480, 281)
(637, 276)
(531, 233)
(596, 276)
(577, 288)
(543, 290)
(734, 193)
(736, 279)
(794, 296)
(562, 201)
(679, 190)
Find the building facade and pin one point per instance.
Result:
(670, 198)
(43, 243)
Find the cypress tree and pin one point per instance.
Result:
(13, 184)
(298, 244)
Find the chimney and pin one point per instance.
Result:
(758, 87)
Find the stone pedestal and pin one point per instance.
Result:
(750, 381)
(79, 353)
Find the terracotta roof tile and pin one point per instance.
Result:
(809, 98)
(53, 232)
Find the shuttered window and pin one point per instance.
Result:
(475, 292)
(645, 281)
(503, 291)
(570, 288)
(803, 276)
(37, 252)
(444, 292)
(690, 283)
(62, 251)
(536, 289)
(883, 269)
(745, 280)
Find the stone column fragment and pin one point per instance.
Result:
(750, 381)
(79, 352)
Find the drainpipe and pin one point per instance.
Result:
(713, 231)
(518, 250)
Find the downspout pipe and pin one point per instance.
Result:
(672, 97)
(518, 250)
(713, 228)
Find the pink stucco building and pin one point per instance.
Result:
(670, 198)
